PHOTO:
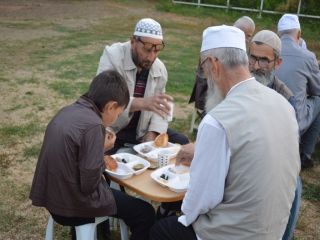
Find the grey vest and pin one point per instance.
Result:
(260, 185)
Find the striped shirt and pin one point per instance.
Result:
(140, 87)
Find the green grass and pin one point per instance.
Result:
(311, 192)
(27, 130)
(62, 67)
(32, 151)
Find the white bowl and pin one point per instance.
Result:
(133, 160)
(153, 154)
(122, 172)
(177, 182)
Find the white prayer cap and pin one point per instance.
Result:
(148, 27)
(288, 22)
(223, 36)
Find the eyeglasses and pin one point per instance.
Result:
(148, 46)
(263, 62)
(200, 71)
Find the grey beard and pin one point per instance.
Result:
(214, 96)
(265, 78)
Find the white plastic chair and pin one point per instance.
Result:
(114, 221)
(87, 231)
(83, 232)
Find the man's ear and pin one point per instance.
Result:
(110, 106)
(298, 36)
(214, 65)
(278, 63)
(132, 41)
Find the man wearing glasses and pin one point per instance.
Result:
(200, 87)
(137, 61)
(246, 162)
(264, 58)
(145, 116)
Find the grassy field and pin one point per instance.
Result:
(50, 52)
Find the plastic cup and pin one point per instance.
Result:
(169, 118)
(163, 158)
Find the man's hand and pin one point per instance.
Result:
(150, 136)
(156, 103)
(185, 155)
(109, 140)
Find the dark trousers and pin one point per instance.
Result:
(129, 136)
(136, 213)
(170, 228)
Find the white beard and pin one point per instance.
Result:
(214, 96)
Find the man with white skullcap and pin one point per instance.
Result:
(300, 72)
(137, 61)
(264, 58)
(243, 174)
(198, 95)
(145, 117)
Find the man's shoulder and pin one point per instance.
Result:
(117, 47)
(291, 49)
(281, 88)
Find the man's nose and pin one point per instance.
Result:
(152, 54)
(256, 65)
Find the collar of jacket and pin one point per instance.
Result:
(86, 102)
(289, 38)
(129, 64)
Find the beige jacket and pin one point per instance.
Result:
(118, 57)
(262, 131)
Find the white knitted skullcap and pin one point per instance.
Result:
(223, 36)
(288, 22)
(148, 27)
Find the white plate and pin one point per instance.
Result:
(177, 182)
(123, 171)
(153, 154)
(133, 160)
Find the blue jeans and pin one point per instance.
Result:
(293, 212)
(309, 137)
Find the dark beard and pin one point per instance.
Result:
(144, 65)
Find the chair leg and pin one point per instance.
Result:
(123, 230)
(193, 125)
(50, 229)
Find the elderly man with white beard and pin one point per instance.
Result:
(243, 174)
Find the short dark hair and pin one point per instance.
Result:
(108, 86)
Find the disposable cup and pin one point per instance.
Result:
(163, 158)
(169, 118)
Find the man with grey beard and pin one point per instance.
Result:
(246, 162)
(264, 58)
